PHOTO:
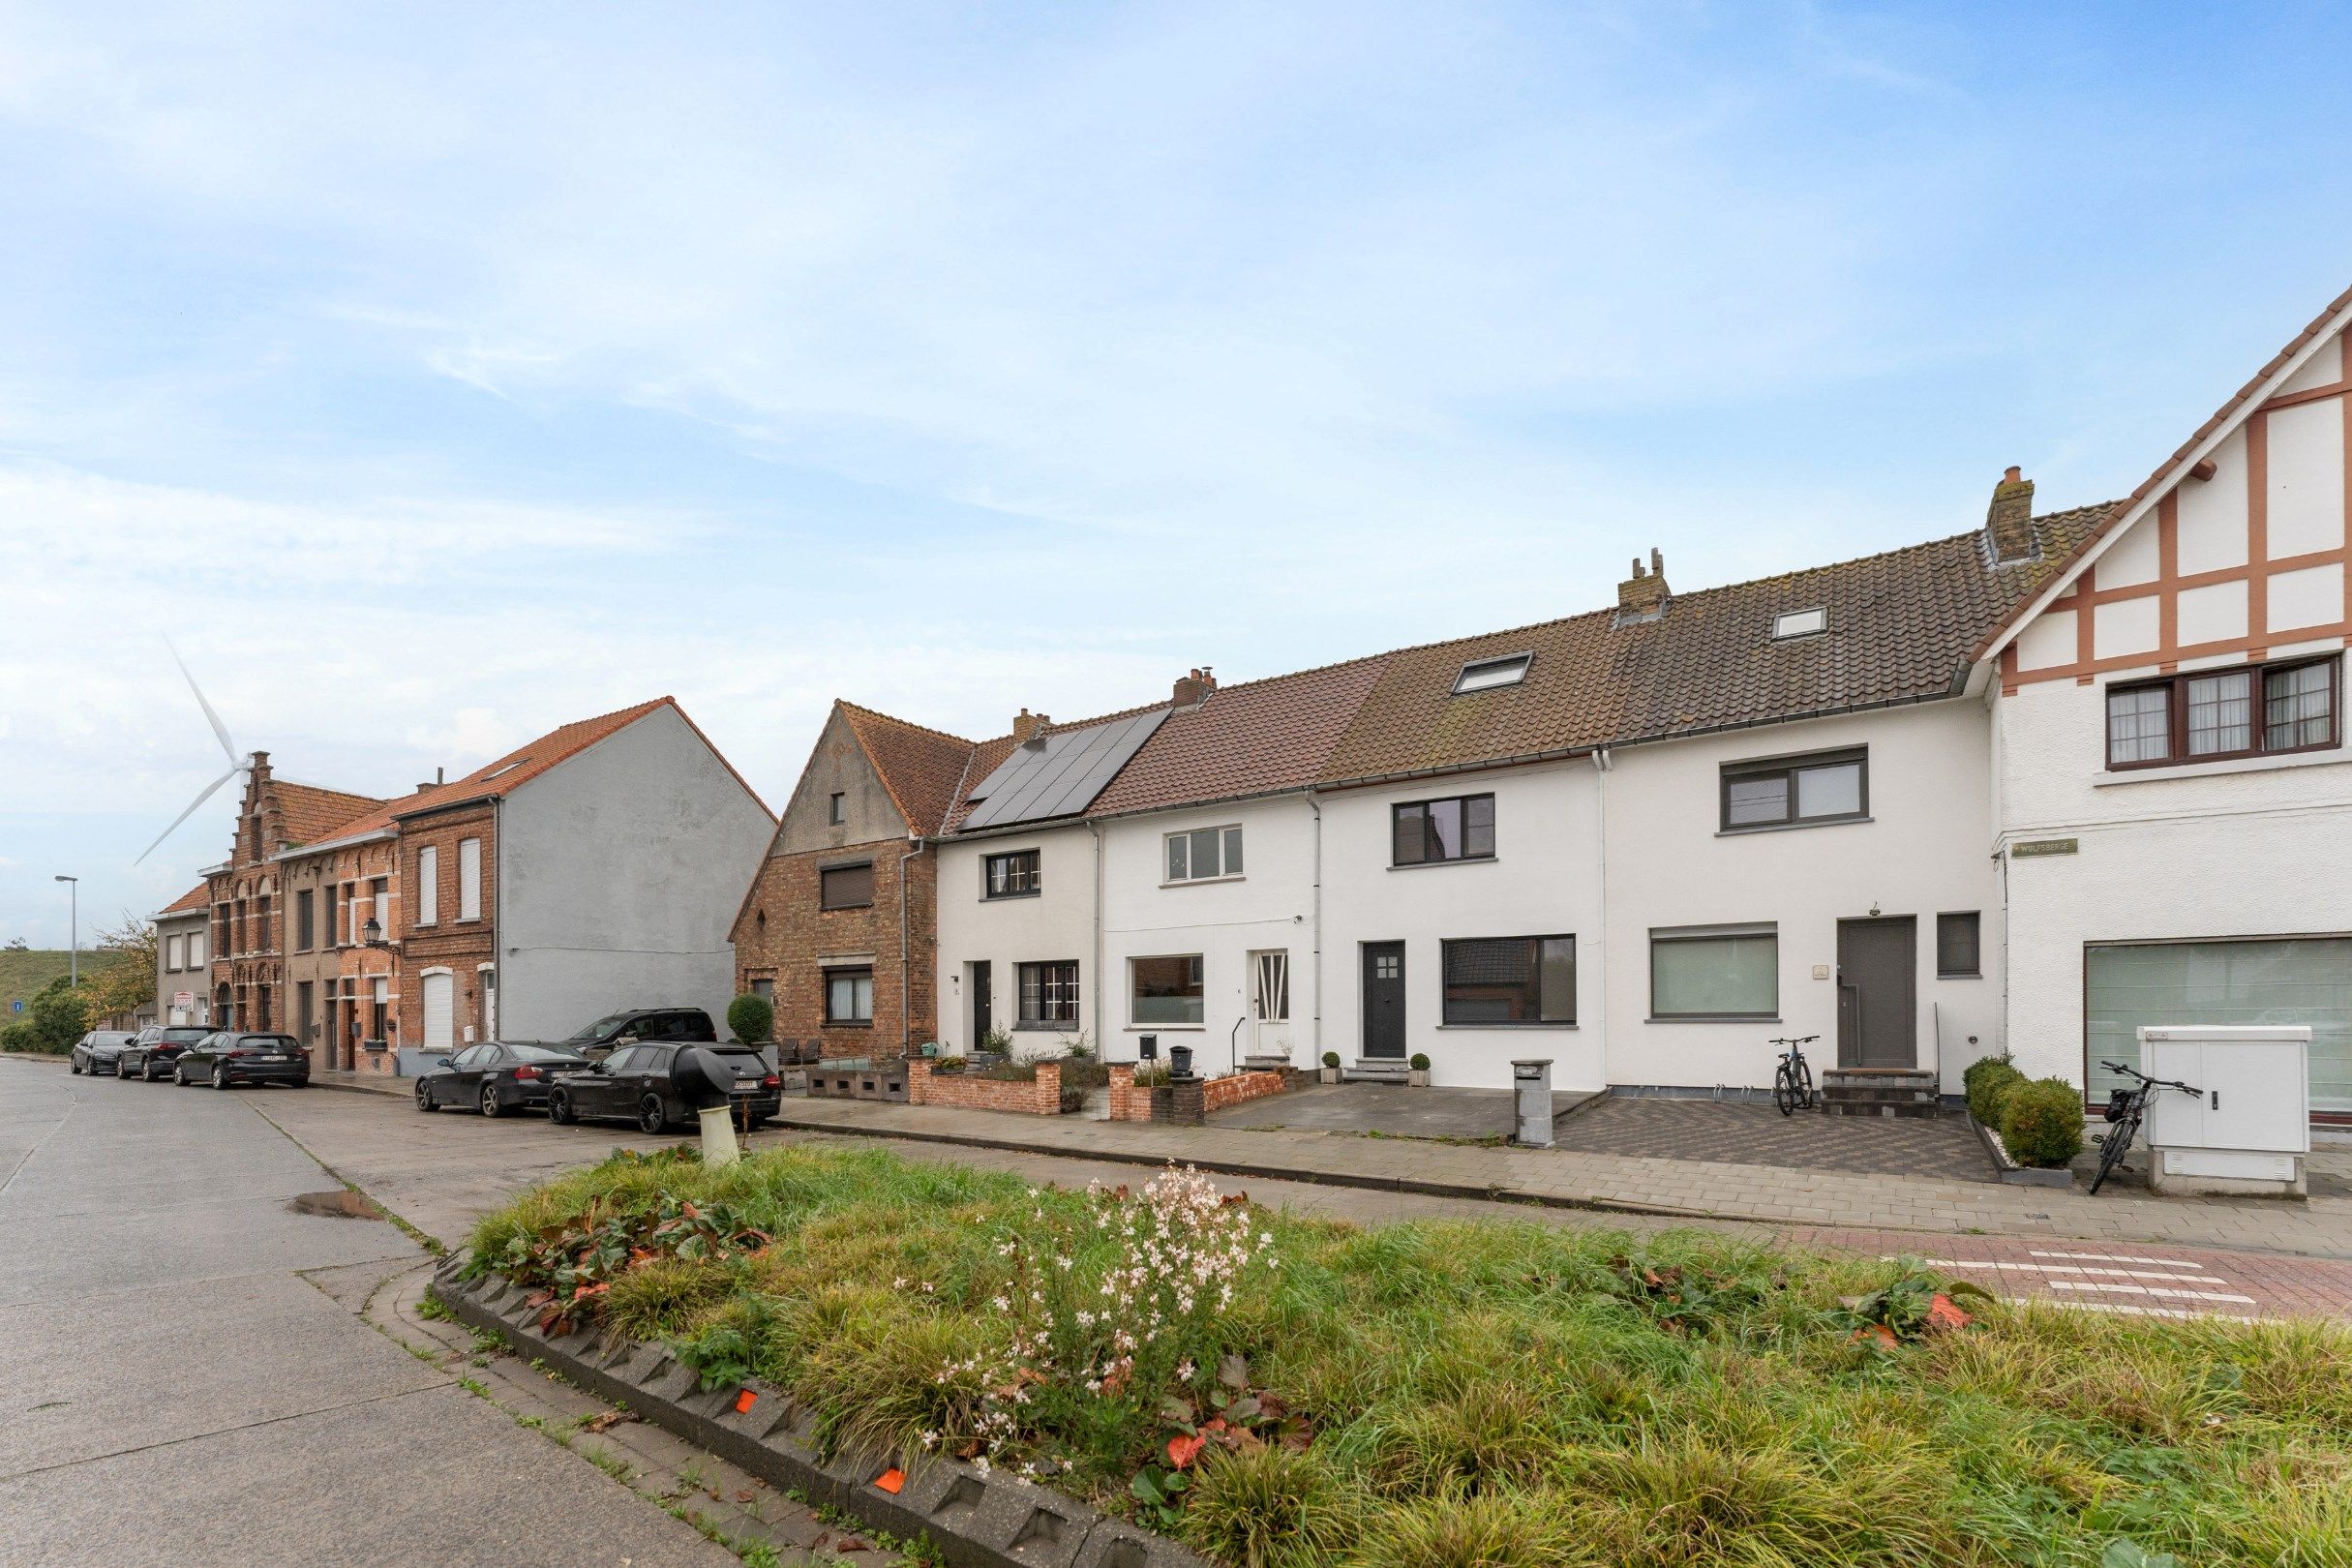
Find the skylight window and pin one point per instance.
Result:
(1481, 674)
(1800, 624)
(508, 768)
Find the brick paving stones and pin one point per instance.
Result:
(1727, 1133)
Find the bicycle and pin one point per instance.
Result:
(2125, 1109)
(1792, 1079)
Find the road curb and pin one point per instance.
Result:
(977, 1519)
(1305, 1176)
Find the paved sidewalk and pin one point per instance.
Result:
(1775, 1196)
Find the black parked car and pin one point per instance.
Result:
(645, 1026)
(494, 1078)
(98, 1050)
(228, 1057)
(150, 1055)
(633, 1084)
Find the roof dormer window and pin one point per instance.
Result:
(1790, 624)
(1483, 674)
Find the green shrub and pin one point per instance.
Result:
(1988, 1081)
(1330, 1059)
(2041, 1122)
(1420, 1062)
(753, 1018)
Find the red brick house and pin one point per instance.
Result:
(248, 969)
(840, 925)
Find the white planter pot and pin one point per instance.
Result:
(1331, 1074)
(1419, 1080)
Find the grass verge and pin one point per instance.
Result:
(1282, 1391)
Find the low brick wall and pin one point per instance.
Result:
(1129, 1103)
(967, 1091)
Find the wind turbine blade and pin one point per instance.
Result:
(214, 719)
(190, 812)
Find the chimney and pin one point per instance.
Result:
(1643, 597)
(1193, 688)
(1028, 726)
(2008, 523)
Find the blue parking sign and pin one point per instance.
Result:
(16, 1005)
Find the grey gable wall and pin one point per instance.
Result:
(838, 763)
(619, 873)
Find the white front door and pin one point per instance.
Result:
(440, 1011)
(489, 1004)
(1270, 1002)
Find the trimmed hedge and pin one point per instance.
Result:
(752, 1017)
(1988, 1082)
(2041, 1123)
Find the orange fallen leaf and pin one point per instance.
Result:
(1183, 1450)
(1944, 1313)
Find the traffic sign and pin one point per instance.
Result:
(16, 1005)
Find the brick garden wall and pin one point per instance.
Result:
(965, 1091)
(1129, 1103)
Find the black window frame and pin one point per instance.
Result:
(1787, 768)
(833, 972)
(304, 922)
(824, 875)
(1430, 841)
(1950, 921)
(837, 808)
(1666, 936)
(1063, 1011)
(2176, 712)
(1533, 984)
(1010, 858)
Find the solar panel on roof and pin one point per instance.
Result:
(1060, 776)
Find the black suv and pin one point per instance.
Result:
(633, 1084)
(157, 1048)
(648, 1026)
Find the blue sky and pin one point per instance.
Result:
(437, 377)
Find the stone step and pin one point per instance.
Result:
(1880, 1092)
(1377, 1069)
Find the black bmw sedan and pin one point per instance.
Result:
(229, 1057)
(495, 1077)
(634, 1085)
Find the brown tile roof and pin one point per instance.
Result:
(306, 813)
(2153, 485)
(923, 769)
(1901, 628)
(197, 897)
(1250, 738)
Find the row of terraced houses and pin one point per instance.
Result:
(2022, 787)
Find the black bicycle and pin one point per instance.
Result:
(1792, 1079)
(2125, 1109)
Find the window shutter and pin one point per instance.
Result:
(428, 885)
(470, 879)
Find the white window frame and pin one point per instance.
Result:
(1269, 985)
(381, 902)
(429, 885)
(1790, 624)
(175, 954)
(1493, 674)
(1228, 839)
(470, 879)
(196, 949)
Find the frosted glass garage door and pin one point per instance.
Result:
(2305, 981)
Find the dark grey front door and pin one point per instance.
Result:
(1384, 999)
(1878, 993)
(983, 1003)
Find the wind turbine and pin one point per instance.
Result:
(236, 764)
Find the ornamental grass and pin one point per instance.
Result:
(1285, 1392)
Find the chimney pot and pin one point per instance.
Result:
(1193, 688)
(1027, 726)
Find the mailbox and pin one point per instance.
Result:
(1531, 1080)
(2248, 1128)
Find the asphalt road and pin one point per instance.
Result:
(184, 1379)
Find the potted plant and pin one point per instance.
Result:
(1331, 1066)
(1419, 1066)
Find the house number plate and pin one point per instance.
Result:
(2025, 848)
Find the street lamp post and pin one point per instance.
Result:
(74, 930)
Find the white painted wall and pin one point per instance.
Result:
(1545, 880)
(620, 874)
(1922, 852)
(1268, 907)
(1056, 924)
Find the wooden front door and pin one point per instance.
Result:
(1878, 993)
(1384, 1000)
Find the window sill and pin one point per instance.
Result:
(1009, 899)
(1433, 865)
(2314, 758)
(1514, 1027)
(1045, 1028)
(1202, 882)
(841, 908)
(1790, 827)
(1970, 974)
(1713, 1018)
(848, 1023)
(1166, 1029)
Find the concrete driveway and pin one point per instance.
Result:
(184, 1380)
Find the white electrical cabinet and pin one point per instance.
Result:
(2249, 1126)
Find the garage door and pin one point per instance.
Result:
(2296, 981)
(440, 1012)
